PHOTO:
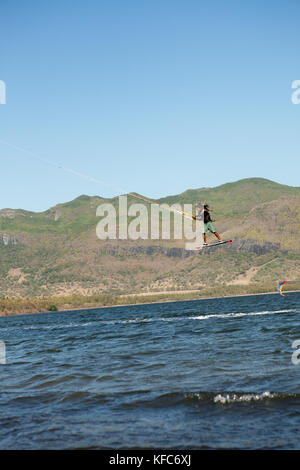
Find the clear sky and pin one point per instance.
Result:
(153, 96)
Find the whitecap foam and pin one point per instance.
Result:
(239, 314)
(197, 317)
(157, 319)
(248, 397)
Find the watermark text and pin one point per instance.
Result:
(150, 221)
(2, 92)
(296, 94)
(296, 353)
(2, 353)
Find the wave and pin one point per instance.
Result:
(148, 399)
(240, 314)
(212, 399)
(223, 398)
(233, 398)
(155, 319)
(200, 317)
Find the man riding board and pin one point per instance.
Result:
(203, 211)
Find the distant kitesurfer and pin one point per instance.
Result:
(203, 211)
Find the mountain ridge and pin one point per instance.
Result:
(187, 192)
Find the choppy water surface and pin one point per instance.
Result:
(212, 373)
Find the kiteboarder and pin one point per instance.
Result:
(203, 211)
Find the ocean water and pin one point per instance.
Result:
(204, 374)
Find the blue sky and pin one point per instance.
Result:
(151, 96)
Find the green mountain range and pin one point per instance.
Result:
(57, 252)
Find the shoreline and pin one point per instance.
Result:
(66, 307)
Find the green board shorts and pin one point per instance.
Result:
(208, 226)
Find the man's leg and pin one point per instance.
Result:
(217, 235)
(204, 233)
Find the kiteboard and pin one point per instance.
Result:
(214, 244)
(218, 243)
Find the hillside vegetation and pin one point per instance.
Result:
(57, 253)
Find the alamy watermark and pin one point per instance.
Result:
(2, 92)
(296, 94)
(296, 353)
(2, 353)
(133, 222)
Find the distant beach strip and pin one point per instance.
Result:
(20, 306)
